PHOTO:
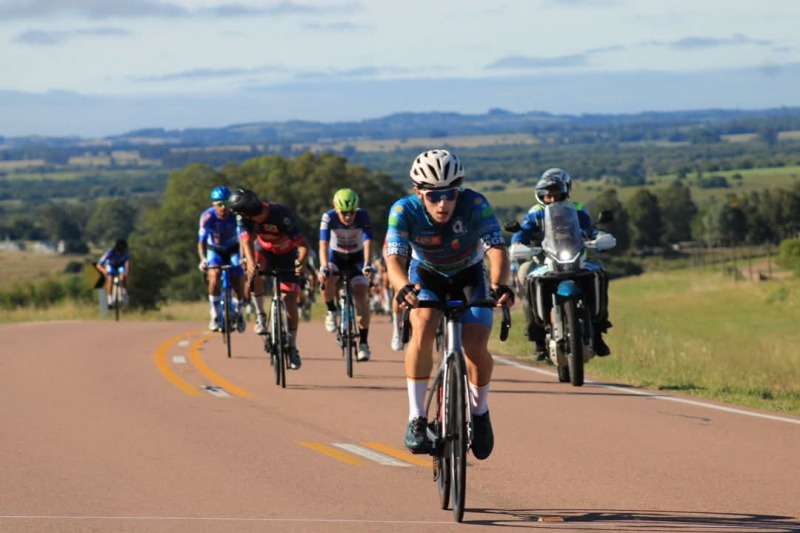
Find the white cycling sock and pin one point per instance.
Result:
(214, 301)
(478, 399)
(416, 397)
(258, 302)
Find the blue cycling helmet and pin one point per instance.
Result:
(220, 194)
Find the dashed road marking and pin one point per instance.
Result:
(332, 452)
(179, 359)
(419, 460)
(372, 455)
(375, 452)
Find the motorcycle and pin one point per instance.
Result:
(565, 289)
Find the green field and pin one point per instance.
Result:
(701, 333)
(585, 191)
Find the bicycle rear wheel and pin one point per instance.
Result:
(458, 433)
(226, 316)
(434, 409)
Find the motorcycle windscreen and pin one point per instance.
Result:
(563, 238)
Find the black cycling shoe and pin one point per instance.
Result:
(417, 435)
(601, 349)
(482, 436)
(538, 352)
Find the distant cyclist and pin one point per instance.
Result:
(217, 245)
(116, 261)
(449, 231)
(269, 237)
(345, 245)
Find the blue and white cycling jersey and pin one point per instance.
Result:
(446, 248)
(219, 233)
(342, 238)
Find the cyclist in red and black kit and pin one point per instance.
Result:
(269, 238)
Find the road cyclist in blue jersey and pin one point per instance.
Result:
(218, 245)
(449, 231)
(345, 244)
(116, 261)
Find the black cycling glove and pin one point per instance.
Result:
(501, 290)
(405, 291)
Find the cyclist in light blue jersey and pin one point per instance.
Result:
(449, 231)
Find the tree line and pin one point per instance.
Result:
(162, 230)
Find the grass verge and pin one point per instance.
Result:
(699, 333)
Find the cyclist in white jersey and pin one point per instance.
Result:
(345, 244)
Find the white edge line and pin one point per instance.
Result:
(636, 392)
(218, 519)
(372, 455)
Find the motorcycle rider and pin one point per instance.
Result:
(554, 186)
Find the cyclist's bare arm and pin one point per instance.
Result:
(323, 258)
(398, 275)
(247, 246)
(500, 269)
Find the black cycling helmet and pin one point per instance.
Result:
(121, 244)
(245, 202)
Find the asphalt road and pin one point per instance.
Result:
(149, 427)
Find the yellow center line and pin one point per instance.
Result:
(333, 452)
(399, 454)
(163, 365)
(200, 365)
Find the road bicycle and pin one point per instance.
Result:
(226, 315)
(450, 429)
(276, 339)
(118, 296)
(347, 329)
(306, 300)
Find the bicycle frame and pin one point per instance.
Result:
(225, 307)
(450, 429)
(346, 333)
(116, 295)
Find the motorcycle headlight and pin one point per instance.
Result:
(564, 255)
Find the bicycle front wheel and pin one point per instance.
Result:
(434, 409)
(458, 431)
(276, 346)
(117, 298)
(350, 337)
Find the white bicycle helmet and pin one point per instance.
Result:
(437, 169)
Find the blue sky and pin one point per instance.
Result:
(99, 67)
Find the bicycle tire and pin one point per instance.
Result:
(116, 297)
(276, 350)
(284, 340)
(226, 316)
(348, 333)
(434, 409)
(458, 431)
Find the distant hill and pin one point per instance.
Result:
(672, 126)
